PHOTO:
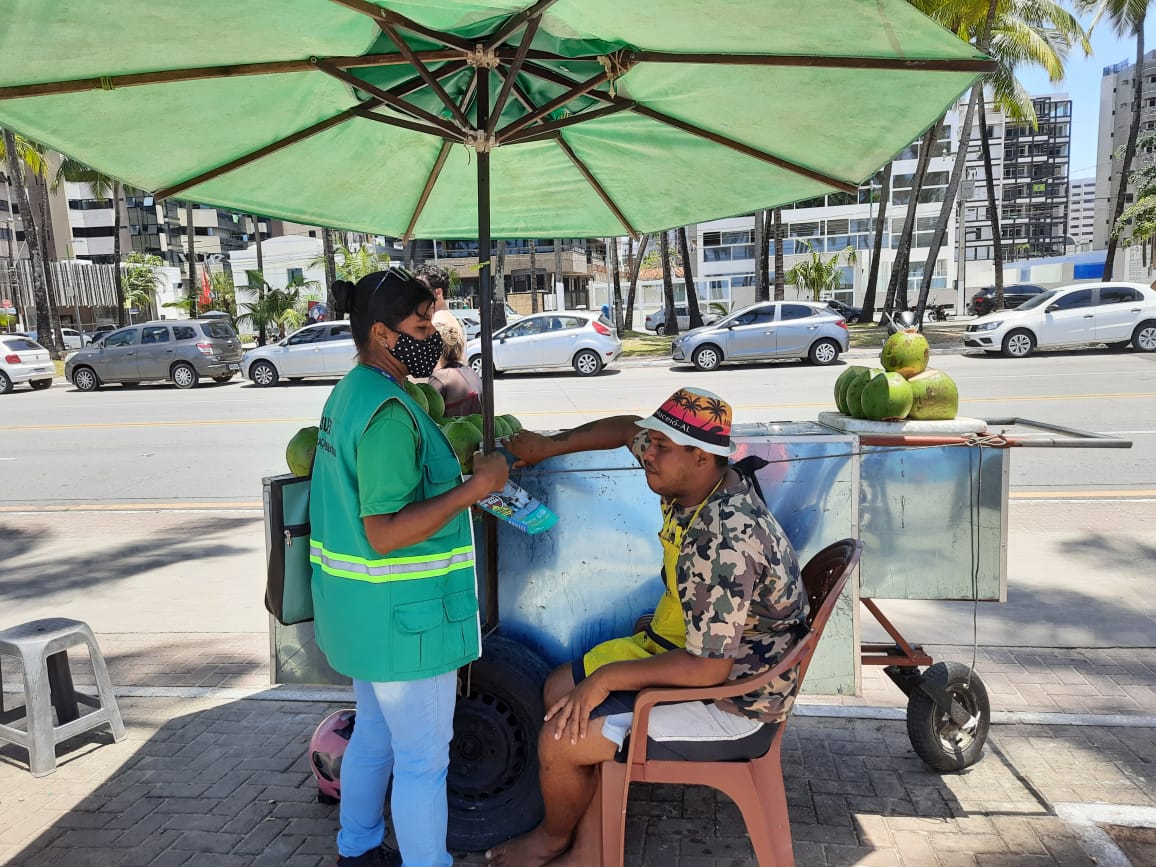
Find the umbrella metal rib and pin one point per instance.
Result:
(510, 79)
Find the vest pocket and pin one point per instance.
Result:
(418, 639)
(461, 633)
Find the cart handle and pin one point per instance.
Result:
(1061, 437)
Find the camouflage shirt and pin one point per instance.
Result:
(742, 596)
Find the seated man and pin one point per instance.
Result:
(733, 606)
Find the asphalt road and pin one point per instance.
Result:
(159, 445)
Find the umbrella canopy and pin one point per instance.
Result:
(598, 117)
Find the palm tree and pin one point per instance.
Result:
(868, 314)
(1140, 216)
(634, 260)
(818, 275)
(671, 324)
(762, 249)
(138, 286)
(110, 190)
(282, 309)
(692, 309)
(21, 153)
(616, 273)
(897, 285)
(533, 275)
(780, 239)
(330, 269)
(1127, 17)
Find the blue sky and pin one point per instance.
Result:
(1082, 84)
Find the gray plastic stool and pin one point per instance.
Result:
(42, 646)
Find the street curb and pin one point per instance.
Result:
(856, 352)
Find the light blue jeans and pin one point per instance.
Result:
(403, 728)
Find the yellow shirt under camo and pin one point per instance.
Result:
(742, 597)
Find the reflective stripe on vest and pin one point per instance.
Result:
(390, 568)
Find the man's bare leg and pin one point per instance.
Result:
(568, 775)
(586, 850)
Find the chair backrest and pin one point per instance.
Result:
(824, 577)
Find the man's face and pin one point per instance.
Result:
(671, 469)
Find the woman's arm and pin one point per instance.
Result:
(606, 433)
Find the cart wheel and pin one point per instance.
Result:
(948, 744)
(493, 776)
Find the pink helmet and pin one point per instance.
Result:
(326, 748)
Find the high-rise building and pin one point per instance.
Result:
(1082, 212)
(1116, 91)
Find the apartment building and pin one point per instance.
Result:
(1116, 91)
(1081, 213)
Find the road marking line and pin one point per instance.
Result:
(1078, 495)
(134, 507)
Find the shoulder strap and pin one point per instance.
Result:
(747, 468)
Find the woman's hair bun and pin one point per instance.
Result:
(343, 296)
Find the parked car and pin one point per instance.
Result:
(1117, 314)
(471, 319)
(181, 351)
(99, 333)
(582, 339)
(656, 321)
(324, 349)
(73, 339)
(780, 329)
(24, 360)
(849, 313)
(983, 301)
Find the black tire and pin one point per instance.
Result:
(493, 776)
(5, 383)
(85, 379)
(184, 375)
(823, 352)
(224, 377)
(37, 385)
(476, 365)
(1144, 337)
(935, 737)
(264, 374)
(1019, 344)
(660, 329)
(587, 362)
(707, 357)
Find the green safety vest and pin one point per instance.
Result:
(412, 613)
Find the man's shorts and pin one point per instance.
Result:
(694, 731)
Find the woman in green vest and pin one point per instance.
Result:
(394, 593)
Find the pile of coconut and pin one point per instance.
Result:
(904, 389)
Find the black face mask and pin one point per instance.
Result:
(419, 356)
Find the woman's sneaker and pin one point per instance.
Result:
(380, 857)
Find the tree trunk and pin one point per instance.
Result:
(533, 275)
(868, 314)
(559, 277)
(499, 270)
(992, 206)
(262, 332)
(948, 204)
(780, 267)
(191, 255)
(410, 254)
(48, 250)
(497, 287)
(42, 289)
(670, 326)
(616, 303)
(121, 313)
(330, 270)
(1129, 151)
(692, 308)
(762, 254)
(635, 267)
(897, 285)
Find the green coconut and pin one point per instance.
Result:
(934, 396)
(415, 392)
(501, 427)
(434, 400)
(905, 353)
(854, 394)
(841, 387)
(300, 451)
(886, 396)
(512, 423)
(464, 438)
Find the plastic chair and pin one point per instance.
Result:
(755, 785)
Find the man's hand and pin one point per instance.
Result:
(491, 471)
(571, 713)
(530, 448)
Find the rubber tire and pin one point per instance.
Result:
(222, 378)
(190, 375)
(37, 385)
(660, 329)
(5, 383)
(588, 358)
(1009, 352)
(1144, 337)
(707, 351)
(814, 357)
(493, 775)
(476, 365)
(928, 727)
(85, 379)
(271, 378)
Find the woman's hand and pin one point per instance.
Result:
(492, 471)
(530, 448)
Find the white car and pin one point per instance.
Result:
(325, 349)
(73, 339)
(471, 319)
(1117, 314)
(22, 359)
(580, 339)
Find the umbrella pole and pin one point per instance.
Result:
(489, 522)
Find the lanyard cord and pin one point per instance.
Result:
(668, 512)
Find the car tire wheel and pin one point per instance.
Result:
(707, 357)
(264, 374)
(492, 783)
(184, 375)
(824, 352)
(37, 384)
(84, 378)
(941, 741)
(1144, 337)
(660, 330)
(5, 383)
(476, 365)
(223, 378)
(1019, 344)
(587, 363)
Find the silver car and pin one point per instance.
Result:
(325, 349)
(780, 329)
(181, 351)
(582, 339)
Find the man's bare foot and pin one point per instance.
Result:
(534, 849)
